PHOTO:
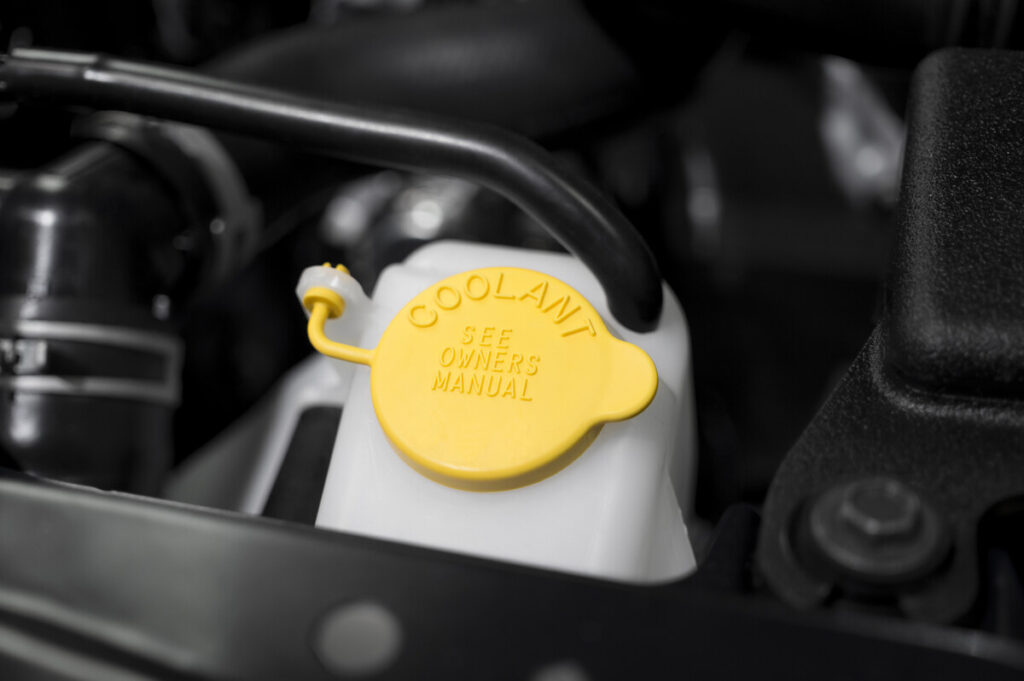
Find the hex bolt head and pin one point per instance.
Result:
(878, 531)
(881, 509)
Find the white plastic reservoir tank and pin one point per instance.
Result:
(497, 409)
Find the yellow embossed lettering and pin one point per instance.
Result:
(513, 364)
(486, 335)
(537, 293)
(420, 316)
(497, 289)
(483, 360)
(441, 380)
(589, 326)
(562, 315)
(531, 365)
(480, 291)
(499, 360)
(447, 298)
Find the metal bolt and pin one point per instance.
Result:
(878, 530)
(881, 509)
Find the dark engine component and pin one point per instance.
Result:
(99, 247)
(287, 583)
(90, 376)
(933, 402)
(147, 294)
(575, 213)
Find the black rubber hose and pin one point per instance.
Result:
(575, 213)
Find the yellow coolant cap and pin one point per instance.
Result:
(497, 378)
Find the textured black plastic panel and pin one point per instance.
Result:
(962, 454)
(956, 306)
(933, 398)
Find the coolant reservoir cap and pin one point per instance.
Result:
(496, 378)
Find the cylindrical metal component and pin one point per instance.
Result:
(88, 374)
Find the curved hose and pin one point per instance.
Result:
(586, 223)
(324, 304)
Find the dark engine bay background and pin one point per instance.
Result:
(853, 297)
